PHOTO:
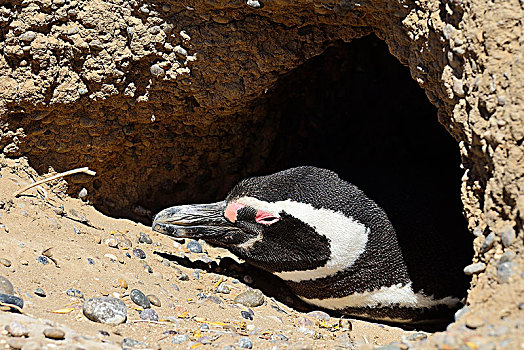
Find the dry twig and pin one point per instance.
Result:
(54, 177)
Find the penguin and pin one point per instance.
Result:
(333, 246)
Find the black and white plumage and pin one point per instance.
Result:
(332, 245)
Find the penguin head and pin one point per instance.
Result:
(301, 219)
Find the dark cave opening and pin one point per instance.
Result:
(357, 111)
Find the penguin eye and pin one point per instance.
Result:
(265, 218)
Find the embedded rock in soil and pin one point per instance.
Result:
(107, 310)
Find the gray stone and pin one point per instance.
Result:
(132, 343)
(223, 288)
(6, 287)
(250, 298)
(488, 242)
(507, 235)
(75, 293)
(27, 36)
(417, 336)
(194, 246)
(149, 314)
(245, 343)
(505, 270)
(157, 71)
(507, 256)
(474, 268)
(144, 238)
(40, 292)
(139, 298)
(139, 253)
(254, 4)
(11, 300)
(107, 310)
(179, 339)
(16, 329)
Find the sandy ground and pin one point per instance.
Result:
(45, 221)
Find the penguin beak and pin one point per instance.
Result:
(193, 221)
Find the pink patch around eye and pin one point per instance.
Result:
(231, 211)
(265, 218)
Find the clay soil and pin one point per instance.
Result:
(33, 224)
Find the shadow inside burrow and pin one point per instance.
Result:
(275, 288)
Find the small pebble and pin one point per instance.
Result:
(179, 339)
(248, 279)
(521, 306)
(16, 329)
(194, 246)
(154, 30)
(75, 293)
(175, 287)
(6, 287)
(11, 300)
(183, 276)
(488, 242)
(107, 310)
(166, 262)
(5, 262)
(90, 261)
(204, 326)
(147, 268)
(417, 336)
(157, 71)
(245, 343)
(139, 298)
(149, 314)
(505, 270)
(223, 288)
(144, 238)
(250, 298)
(54, 333)
(254, 4)
(40, 292)
(125, 244)
(139, 253)
(27, 36)
(215, 299)
(77, 231)
(83, 192)
(132, 343)
(153, 299)
(196, 273)
(474, 268)
(507, 236)
(104, 333)
(474, 322)
(42, 260)
(246, 315)
(111, 242)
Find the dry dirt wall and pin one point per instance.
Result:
(160, 98)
